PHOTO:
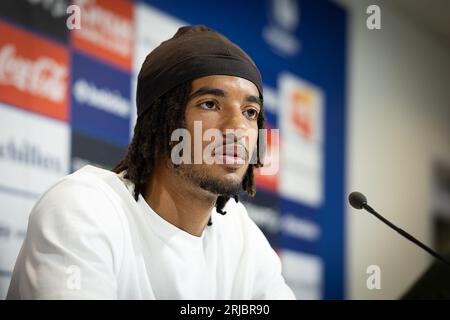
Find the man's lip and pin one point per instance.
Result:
(232, 160)
(232, 150)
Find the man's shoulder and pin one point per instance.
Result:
(84, 192)
(82, 182)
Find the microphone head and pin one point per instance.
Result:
(357, 200)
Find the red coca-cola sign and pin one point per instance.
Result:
(33, 73)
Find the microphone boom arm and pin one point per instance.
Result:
(359, 201)
(405, 234)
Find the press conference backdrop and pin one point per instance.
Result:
(67, 98)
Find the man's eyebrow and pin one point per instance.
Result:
(207, 90)
(220, 93)
(254, 99)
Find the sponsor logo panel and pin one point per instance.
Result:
(34, 151)
(301, 126)
(106, 31)
(101, 105)
(33, 73)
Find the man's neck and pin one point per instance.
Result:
(178, 202)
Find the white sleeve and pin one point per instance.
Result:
(269, 283)
(73, 246)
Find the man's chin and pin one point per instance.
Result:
(228, 185)
(223, 183)
(220, 181)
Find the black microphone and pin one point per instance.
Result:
(359, 201)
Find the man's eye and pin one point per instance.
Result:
(208, 105)
(251, 113)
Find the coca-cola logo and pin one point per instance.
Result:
(43, 76)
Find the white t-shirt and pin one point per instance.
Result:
(88, 238)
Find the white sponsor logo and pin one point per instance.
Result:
(285, 17)
(300, 228)
(34, 150)
(43, 77)
(103, 99)
(31, 155)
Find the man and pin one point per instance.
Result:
(157, 227)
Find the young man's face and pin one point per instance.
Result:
(231, 106)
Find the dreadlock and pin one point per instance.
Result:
(164, 116)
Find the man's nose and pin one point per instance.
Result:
(233, 119)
